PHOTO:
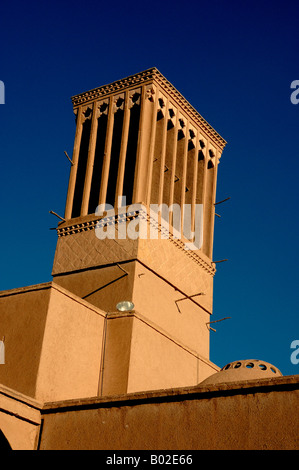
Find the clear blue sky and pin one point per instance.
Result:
(234, 61)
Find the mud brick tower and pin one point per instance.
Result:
(139, 138)
(137, 141)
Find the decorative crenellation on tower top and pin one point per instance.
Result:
(141, 78)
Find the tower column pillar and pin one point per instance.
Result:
(154, 98)
(107, 153)
(163, 152)
(123, 151)
(183, 188)
(73, 172)
(216, 162)
(174, 154)
(194, 184)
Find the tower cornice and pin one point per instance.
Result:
(148, 76)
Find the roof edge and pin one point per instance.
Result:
(176, 394)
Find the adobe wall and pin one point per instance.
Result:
(246, 415)
(158, 281)
(20, 420)
(72, 347)
(53, 343)
(160, 361)
(23, 314)
(60, 347)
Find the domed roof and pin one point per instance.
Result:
(249, 369)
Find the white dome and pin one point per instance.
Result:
(249, 369)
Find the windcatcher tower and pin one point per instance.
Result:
(139, 138)
(67, 347)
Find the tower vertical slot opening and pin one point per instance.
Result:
(131, 154)
(81, 169)
(98, 163)
(114, 160)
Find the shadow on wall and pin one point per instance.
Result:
(4, 444)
